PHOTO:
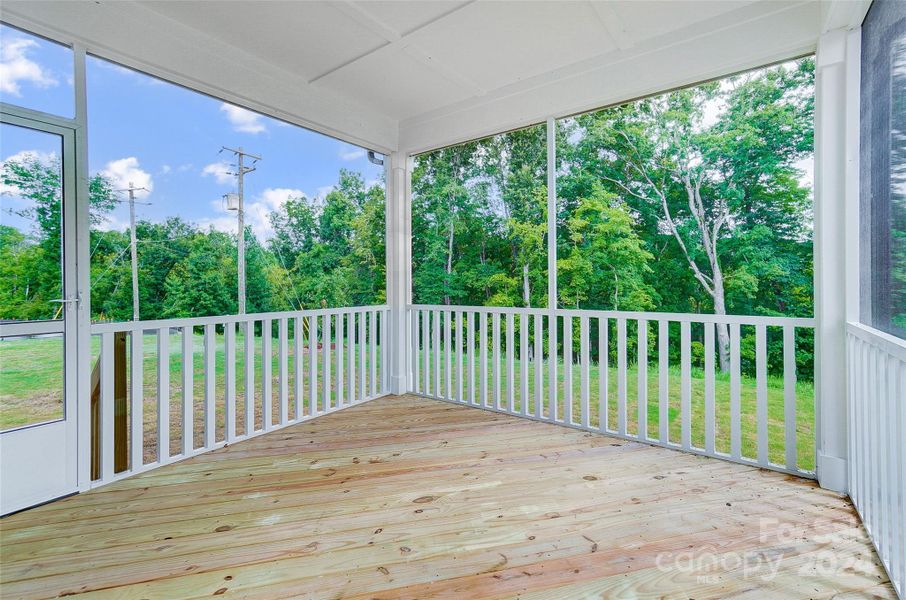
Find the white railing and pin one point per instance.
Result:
(504, 359)
(877, 453)
(292, 366)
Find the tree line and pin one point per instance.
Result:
(692, 201)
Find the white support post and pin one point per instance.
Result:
(831, 259)
(398, 266)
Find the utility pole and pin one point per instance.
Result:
(240, 242)
(133, 242)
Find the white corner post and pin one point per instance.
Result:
(399, 173)
(833, 168)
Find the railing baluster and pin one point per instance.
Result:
(470, 337)
(789, 396)
(107, 406)
(735, 414)
(163, 394)
(686, 383)
(567, 369)
(384, 325)
(426, 350)
(372, 322)
(350, 356)
(621, 376)
(448, 353)
(363, 386)
(312, 366)
(539, 365)
(229, 375)
(585, 357)
(341, 353)
(283, 368)
(459, 335)
(900, 469)
(896, 505)
(267, 395)
(552, 360)
(385, 352)
(603, 373)
(249, 377)
(327, 387)
(298, 367)
(436, 353)
(875, 399)
(210, 374)
(761, 377)
(523, 363)
(415, 356)
(138, 380)
(642, 368)
(188, 395)
(887, 384)
(483, 356)
(495, 361)
(663, 374)
(510, 358)
(710, 408)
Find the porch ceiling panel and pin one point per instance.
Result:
(749, 35)
(305, 38)
(492, 45)
(411, 85)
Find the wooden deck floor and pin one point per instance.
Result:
(414, 498)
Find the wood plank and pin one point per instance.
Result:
(406, 497)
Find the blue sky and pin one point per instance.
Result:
(167, 139)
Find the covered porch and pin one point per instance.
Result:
(409, 448)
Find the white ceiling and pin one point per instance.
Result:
(412, 75)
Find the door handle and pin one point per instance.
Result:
(67, 300)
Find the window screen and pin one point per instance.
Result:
(883, 166)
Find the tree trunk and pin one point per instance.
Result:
(449, 268)
(526, 289)
(723, 330)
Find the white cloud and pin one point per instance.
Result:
(275, 198)
(44, 158)
(165, 169)
(17, 68)
(257, 212)
(349, 153)
(244, 121)
(126, 171)
(111, 222)
(322, 191)
(221, 172)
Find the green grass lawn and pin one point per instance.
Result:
(31, 391)
(805, 411)
(31, 372)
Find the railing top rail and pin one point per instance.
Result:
(634, 315)
(886, 342)
(223, 319)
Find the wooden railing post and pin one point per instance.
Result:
(120, 418)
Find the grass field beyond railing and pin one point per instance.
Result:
(805, 403)
(31, 384)
(31, 375)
